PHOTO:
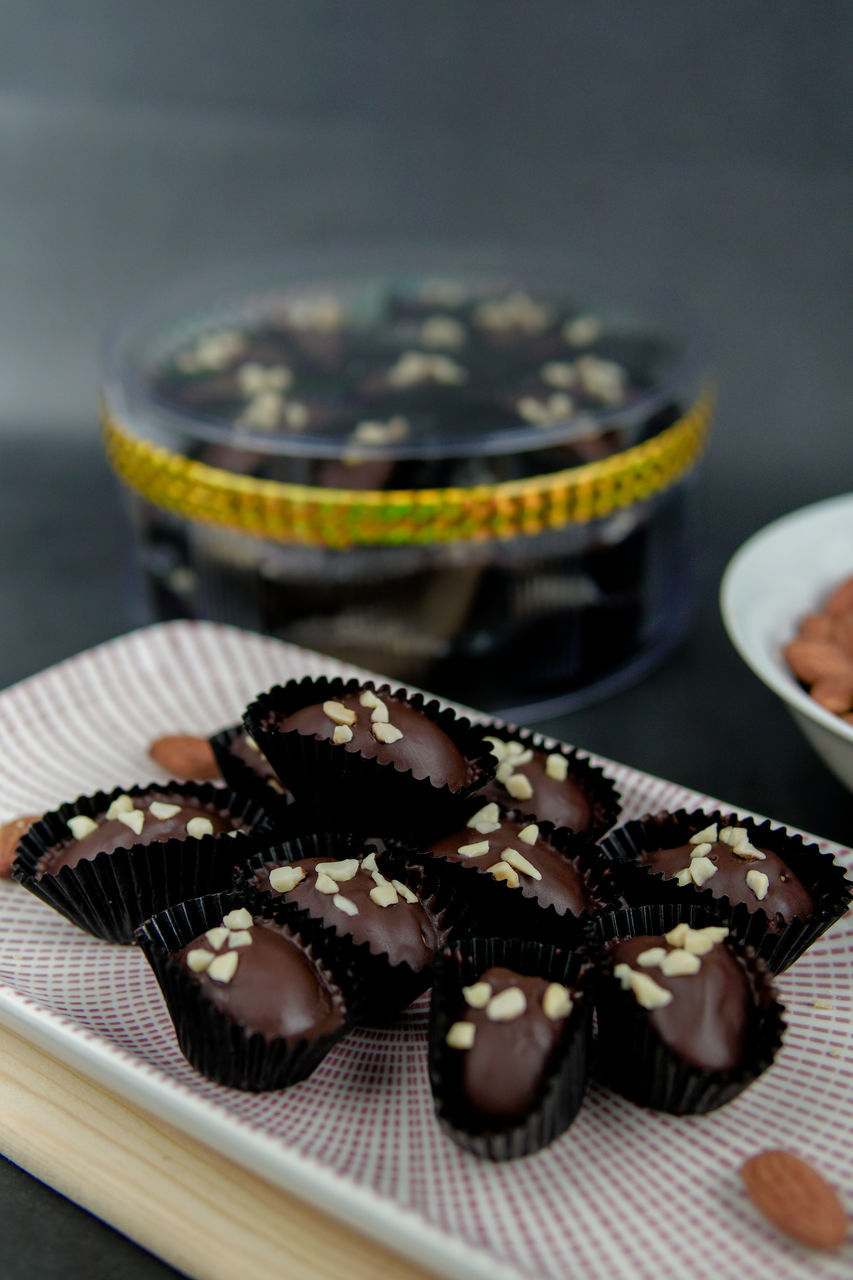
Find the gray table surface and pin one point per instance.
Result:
(700, 152)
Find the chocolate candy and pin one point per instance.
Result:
(696, 993)
(539, 782)
(263, 978)
(383, 728)
(353, 896)
(154, 817)
(506, 1035)
(723, 860)
(514, 852)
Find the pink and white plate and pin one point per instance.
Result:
(624, 1194)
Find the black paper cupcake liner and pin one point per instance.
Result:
(388, 988)
(342, 790)
(565, 1080)
(495, 909)
(630, 1056)
(604, 799)
(211, 1041)
(110, 895)
(279, 804)
(777, 942)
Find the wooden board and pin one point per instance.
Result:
(184, 1203)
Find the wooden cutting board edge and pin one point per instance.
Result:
(188, 1205)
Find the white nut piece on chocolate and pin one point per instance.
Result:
(368, 863)
(217, 936)
(697, 941)
(199, 959)
(647, 992)
(557, 767)
(160, 809)
(135, 819)
(732, 835)
(461, 1035)
(603, 379)
(561, 374)
(519, 787)
(515, 311)
(345, 904)
(254, 378)
(582, 330)
(384, 732)
(342, 733)
(443, 331)
(518, 860)
(379, 714)
(239, 938)
(556, 1002)
(121, 804)
(529, 834)
(239, 918)
(504, 872)
(370, 431)
(337, 712)
(198, 827)
(507, 1005)
(706, 835)
(325, 884)
(340, 871)
(759, 883)
(683, 877)
(384, 895)
(679, 963)
(701, 870)
(404, 891)
(474, 850)
(283, 879)
(486, 820)
(701, 850)
(367, 698)
(743, 849)
(223, 967)
(651, 956)
(414, 367)
(477, 995)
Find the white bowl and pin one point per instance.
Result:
(781, 573)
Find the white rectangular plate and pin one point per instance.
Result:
(625, 1193)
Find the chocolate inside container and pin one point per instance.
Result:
(471, 484)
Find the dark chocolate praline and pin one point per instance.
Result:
(276, 988)
(502, 1073)
(554, 795)
(561, 885)
(111, 833)
(403, 931)
(424, 748)
(705, 1023)
(785, 895)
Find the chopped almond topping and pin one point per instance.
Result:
(461, 1035)
(475, 850)
(518, 860)
(529, 834)
(161, 810)
(759, 883)
(337, 712)
(477, 995)
(384, 732)
(556, 1002)
(198, 827)
(557, 767)
(135, 819)
(647, 992)
(239, 918)
(283, 879)
(503, 871)
(507, 1005)
(325, 884)
(223, 967)
(121, 804)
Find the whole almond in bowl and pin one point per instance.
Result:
(796, 1198)
(186, 757)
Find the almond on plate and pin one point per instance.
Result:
(796, 1198)
(186, 757)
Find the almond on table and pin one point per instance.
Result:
(796, 1198)
(185, 756)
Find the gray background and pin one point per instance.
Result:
(693, 152)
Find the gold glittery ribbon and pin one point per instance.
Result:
(310, 515)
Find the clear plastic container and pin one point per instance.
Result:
(455, 478)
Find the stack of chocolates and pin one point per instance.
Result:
(401, 848)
